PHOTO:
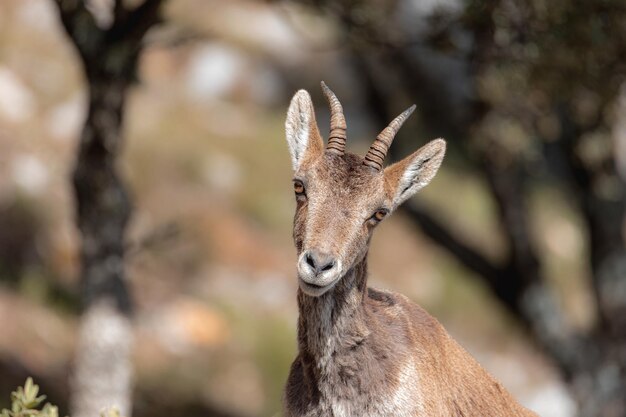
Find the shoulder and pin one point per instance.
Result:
(398, 306)
(382, 297)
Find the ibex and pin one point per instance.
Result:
(364, 352)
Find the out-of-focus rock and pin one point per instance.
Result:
(29, 174)
(17, 103)
(185, 324)
(65, 120)
(37, 15)
(551, 400)
(213, 71)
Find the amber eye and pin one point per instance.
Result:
(380, 214)
(298, 187)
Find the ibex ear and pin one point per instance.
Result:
(406, 177)
(303, 136)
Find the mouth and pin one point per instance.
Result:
(315, 290)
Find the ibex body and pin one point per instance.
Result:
(365, 352)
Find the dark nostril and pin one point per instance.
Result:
(310, 261)
(328, 266)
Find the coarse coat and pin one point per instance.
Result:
(364, 352)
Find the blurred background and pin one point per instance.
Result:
(517, 246)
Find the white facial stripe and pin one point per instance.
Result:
(329, 228)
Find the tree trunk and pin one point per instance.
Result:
(102, 376)
(103, 373)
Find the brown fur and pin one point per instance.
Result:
(366, 352)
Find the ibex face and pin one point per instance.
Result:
(340, 200)
(341, 197)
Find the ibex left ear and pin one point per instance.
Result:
(303, 136)
(406, 177)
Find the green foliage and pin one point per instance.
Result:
(111, 412)
(26, 401)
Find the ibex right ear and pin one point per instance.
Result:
(303, 136)
(414, 172)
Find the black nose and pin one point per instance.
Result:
(319, 261)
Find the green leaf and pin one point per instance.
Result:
(110, 412)
(25, 403)
(50, 410)
(30, 389)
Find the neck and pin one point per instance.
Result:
(334, 321)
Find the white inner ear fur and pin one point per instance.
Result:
(298, 126)
(421, 168)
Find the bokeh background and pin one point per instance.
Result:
(517, 246)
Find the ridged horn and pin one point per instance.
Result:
(377, 152)
(337, 136)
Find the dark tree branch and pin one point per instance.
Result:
(120, 12)
(116, 49)
(466, 255)
(71, 13)
(80, 26)
(506, 183)
(603, 212)
(136, 22)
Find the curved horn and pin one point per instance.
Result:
(337, 136)
(377, 152)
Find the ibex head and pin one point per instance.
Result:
(341, 197)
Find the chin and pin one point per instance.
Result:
(313, 290)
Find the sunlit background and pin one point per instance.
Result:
(211, 262)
